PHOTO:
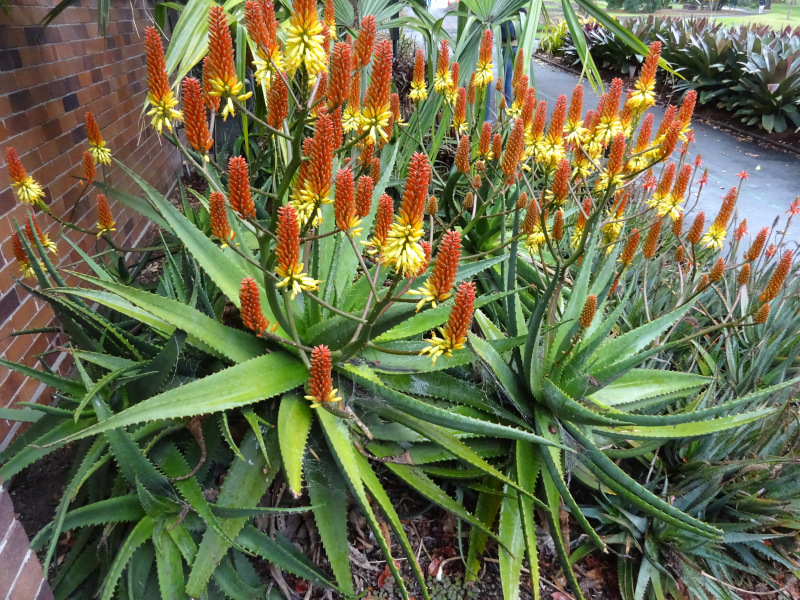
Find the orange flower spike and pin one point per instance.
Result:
(432, 206)
(717, 270)
(330, 18)
(419, 89)
(211, 102)
(25, 187)
(394, 102)
(696, 230)
(528, 107)
(377, 106)
(287, 250)
(262, 29)
(43, 238)
(497, 145)
(519, 68)
(587, 313)
(531, 221)
(439, 285)
(558, 225)
(677, 226)
(321, 86)
(341, 69)
(669, 117)
(715, 237)
(460, 111)
(744, 275)
(160, 95)
(626, 258)
(776, 281)
(23, 262)
(575, 106)
(344, 204)
(365, 42)
(220, 226)
(454, 77)
(314, 192)
(679, 252)
(705, 281)
(611, 106)
(239, 187)
(558, 120)
(375, 170)
(485, 142)
(305, 39)
(741, 230)
(365, 158)
(383, 223)
(514, 149)
(462, 155)
(643, 96)
(454, 334)
(612, 174)
(402, 249)
(651, 241)
(671, 203)
(643, 141)
(194, 112)
(427, 249)
(105, 222)
(277, 103)
(97, 145)
(762, 315)
(686, 111)
(363, 201)
(670, 139)
(442, 80)
(758, 245)
(484, 71)
(469, 201)
(539, 119)
(351, 118)
(561, 179)
(320, 382)
(223, 80)
(471, 91)
(89, 172)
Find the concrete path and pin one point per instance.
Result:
(774, 174)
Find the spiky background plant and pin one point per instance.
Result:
(323, 321)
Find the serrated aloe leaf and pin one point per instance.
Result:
(257, 379)
(566, 408)
(67, 386)
(422, 410)
(486, 510)
(244, 485)
(142, 532)
(685, 430)
(232, 584)
(26, 415)
(294, 423)
(234, 344)
(341, 447)
(455, 447)
(529, 463)
(284, 554)
(169, 565)
(134, 202)
(642, 384)
(511, 532)
(610, 474)
(509, 382)
(381, 498)
(327, 491)
(617, 350)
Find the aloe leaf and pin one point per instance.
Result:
(509, 382)
(169, 565)
(381, 498)
(233, 387)
(685, 430)
(341, 447)
(244, 485)
(232, 584)
(101, 384)
(233, 344)
(612, 475)
(66, 386)
(486, 510)
(326, 488)
(422, 410)
(567, 408)
(643, 384)
(20, 415)
(134, 203)
(284, 554)
(294, 423)
(529, 463)
(511, 532)
(142, 532)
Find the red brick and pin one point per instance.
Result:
(29, 580)
(15, 550)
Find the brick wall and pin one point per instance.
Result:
(47, 83)
(21, 576)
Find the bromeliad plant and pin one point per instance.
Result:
(375, 311)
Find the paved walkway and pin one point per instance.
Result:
(774, 174)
